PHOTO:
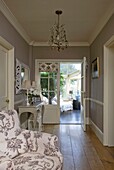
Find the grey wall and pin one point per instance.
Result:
(21, 48)
(69, 53)
(8, 32)
(96, 50)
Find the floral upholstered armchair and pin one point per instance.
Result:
(24, 149)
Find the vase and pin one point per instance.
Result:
(30, 100)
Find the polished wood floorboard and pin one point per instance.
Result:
(82, 150)
(70, 117)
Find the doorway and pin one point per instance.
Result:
(70, 92)
(52, 84)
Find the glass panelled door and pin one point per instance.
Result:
(48, 80)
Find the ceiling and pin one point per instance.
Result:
(83, 19)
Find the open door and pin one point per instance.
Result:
(83, 94)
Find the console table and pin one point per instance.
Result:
(36, 110)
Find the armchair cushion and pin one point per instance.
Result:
(14, 146)
(12, 142)
(5, 162)
(9, 123)
(31, 140)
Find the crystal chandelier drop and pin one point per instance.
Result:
(58, 38)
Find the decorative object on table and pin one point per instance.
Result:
(33, 93)
(58, 38)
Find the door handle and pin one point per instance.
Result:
(7, 100)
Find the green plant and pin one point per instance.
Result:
(62, 82)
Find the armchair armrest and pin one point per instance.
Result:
(43, 143)
(40, 138)
(6, 162)
(48, 144)
(48, 138)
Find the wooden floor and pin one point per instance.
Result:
(82, 150)
(70, 117)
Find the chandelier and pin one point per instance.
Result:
(58, 35)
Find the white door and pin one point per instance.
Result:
(83, 94)
(48, 81)
(108, 136)
(3, 78)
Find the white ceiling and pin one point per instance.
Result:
(83, 19)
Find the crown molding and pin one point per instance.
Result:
(110, 42)
(11, 18)
(5, 43)
(41, 44)
(102, 23)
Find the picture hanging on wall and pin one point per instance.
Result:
(95, 68)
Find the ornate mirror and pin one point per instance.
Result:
(22, 74)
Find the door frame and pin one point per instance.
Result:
(83, 93)
(10, 84)
(53, 60)
(106, 116)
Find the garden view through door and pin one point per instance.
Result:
(70, 88)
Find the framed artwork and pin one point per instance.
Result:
(95, 68)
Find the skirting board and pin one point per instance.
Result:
(97, 131)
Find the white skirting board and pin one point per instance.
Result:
(97, 131)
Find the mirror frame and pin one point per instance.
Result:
(19, 66)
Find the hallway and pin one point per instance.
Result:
(82, 151)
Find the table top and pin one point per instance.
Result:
(35, 105)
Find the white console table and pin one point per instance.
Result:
(36, 110)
